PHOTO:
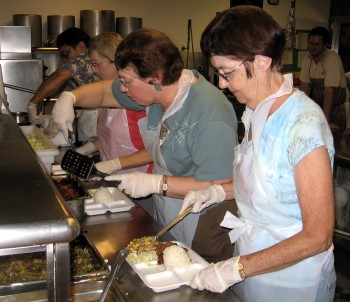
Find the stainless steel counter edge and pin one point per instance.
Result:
(32, 210)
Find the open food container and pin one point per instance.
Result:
(28, 271)
(73, 193)
(43, 147)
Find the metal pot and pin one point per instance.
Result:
(126, 25)
(22, 118)
(34, 21)
(56, 24)
(95, 22)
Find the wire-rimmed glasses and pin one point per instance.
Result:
(226, 76)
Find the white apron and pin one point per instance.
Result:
(113, 130)
(167, 208)
(266, 222)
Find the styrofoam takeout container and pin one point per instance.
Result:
(46, 155)
(120, 203)
(159, 279)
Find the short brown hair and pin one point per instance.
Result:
(244, 32)
(150, 51)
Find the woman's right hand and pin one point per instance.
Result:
(202, 199)
(63, 112)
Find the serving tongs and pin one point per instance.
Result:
(122, 254)
(80, 165)
(175, 221)
(70, 140)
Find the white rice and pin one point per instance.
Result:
(103, 195)
(176, 257)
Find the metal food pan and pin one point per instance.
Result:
(99, 272)
(76, 202)
(86, 292)
(76, 185)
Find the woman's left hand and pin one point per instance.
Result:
(138, 184)
(218, 277)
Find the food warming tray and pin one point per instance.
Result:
(88, 255)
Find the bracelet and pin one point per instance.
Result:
(241, 272)
(165, 184)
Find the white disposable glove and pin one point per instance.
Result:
(34, 118)
(109, 166)
(218, 277)
(63, 112)
(86, 149)
(52, 129)
(202, 199)
(138, 184)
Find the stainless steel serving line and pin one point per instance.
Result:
(33, 216)
(112, 232)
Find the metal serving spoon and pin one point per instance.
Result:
(122, 254)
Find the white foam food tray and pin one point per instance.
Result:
(120, 203)
(159, 279)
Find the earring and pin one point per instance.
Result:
(157, 87)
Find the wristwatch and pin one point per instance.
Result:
(241, 272)
(165, 184)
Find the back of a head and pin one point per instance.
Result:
(323, 32)
(150, 51)
(244, 32)
(71, 37)
(106, 44)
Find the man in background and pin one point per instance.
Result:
(76, 71)
(323, 78)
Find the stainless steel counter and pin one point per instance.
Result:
(33, 216)
(112, 232)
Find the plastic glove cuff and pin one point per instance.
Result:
(71, 96)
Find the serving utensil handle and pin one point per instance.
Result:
(175, 221)
(117, 264)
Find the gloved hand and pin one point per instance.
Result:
(109, 166)
(202, 199)
(86, 149)
(218, 277)
(138, 184)
(52, 129)
(34, 118)
(63, 112)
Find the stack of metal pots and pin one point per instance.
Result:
(57, 24)
(34, 21)
(126, 25)
(95, 22)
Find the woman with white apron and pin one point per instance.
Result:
(191, 129)
(283, 235)
(267, 222)
(118, 133)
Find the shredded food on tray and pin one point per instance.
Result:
(34, 142)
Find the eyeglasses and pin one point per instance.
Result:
(226, 76)
(97, 63)
(126, 83)
(65, 53)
